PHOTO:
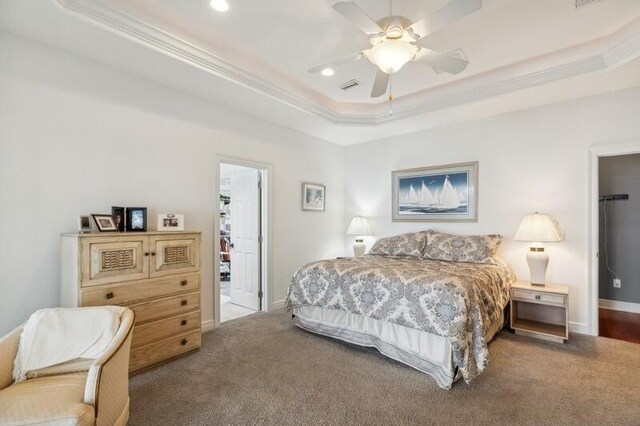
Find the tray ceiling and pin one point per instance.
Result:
(284, 38)
(255, 57)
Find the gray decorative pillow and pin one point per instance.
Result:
(411, 244)
(462, 248)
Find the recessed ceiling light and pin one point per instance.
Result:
(327, 72)
(220, 5)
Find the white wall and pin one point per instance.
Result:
(77, 137)
(534, 160)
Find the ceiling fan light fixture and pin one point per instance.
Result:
(327, 72)
(391, 55)
(219, 5)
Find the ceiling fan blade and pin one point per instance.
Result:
(441, 62)
(336, 63)
(352, 12)
(380, 84)
(451, 12)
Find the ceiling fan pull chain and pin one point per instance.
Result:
(390, 94)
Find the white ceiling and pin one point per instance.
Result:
(523, 53)
(287, 37)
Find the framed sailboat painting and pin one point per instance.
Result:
(447, 193)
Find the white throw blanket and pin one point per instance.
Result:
(54, 336)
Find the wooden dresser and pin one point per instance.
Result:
(156, 274)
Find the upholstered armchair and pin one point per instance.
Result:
(85, 392)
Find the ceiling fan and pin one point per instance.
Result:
(395, 41)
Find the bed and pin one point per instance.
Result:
(434, 315)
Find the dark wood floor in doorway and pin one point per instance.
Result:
(619, 325)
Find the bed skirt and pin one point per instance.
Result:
(424, 351)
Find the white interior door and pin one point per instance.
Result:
(245, 232)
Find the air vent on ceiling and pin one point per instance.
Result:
(349, 84)
(579, 3)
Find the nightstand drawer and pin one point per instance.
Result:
(533, 296)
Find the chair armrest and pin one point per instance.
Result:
(8, 350)
(107, 387)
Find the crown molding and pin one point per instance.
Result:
(602, 54)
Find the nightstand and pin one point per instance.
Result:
(540, 311)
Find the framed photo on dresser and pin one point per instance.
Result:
(136, 219)
(104, 222)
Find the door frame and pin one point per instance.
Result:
(595, 152)
(266, 264)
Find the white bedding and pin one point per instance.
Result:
(424, 351)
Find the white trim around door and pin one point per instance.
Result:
(595, 152)
(266, 266)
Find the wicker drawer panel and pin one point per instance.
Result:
(533, 296)
(161, 350)
(118, 294)
(155, 330)
(161, 308)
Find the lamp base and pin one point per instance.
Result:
(359, 247)
(537, 260)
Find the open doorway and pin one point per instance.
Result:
(619, 245)
(241, 241)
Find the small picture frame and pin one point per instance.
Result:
(104, 222)
(136, 219)
(84, 223)
(170, 222)
(119, 217)
(313, 197)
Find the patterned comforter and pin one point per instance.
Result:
(456, 300)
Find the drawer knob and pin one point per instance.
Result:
(183, 283)
(183, 322)
(537, 297)
(110, 295)
(184, 342)
(146, 253)
(153, 253)
(183, 303)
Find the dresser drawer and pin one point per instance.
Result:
(161, 308)
(156, 330)
(533, 296)
(161, 350)
(118, 294)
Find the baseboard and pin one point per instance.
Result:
(278, 304)
(616, 305)
(208, 325)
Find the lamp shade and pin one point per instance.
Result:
(537, 227)
(359, 226)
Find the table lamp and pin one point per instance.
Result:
(359, 227)
(537, 228)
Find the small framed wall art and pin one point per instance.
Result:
(170, 222)
(136, 219)
(313, 197)
(104, 222)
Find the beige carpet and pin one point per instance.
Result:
(262, 370)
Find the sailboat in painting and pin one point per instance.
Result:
(421, 199)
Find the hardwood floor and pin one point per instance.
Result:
(619, 325)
